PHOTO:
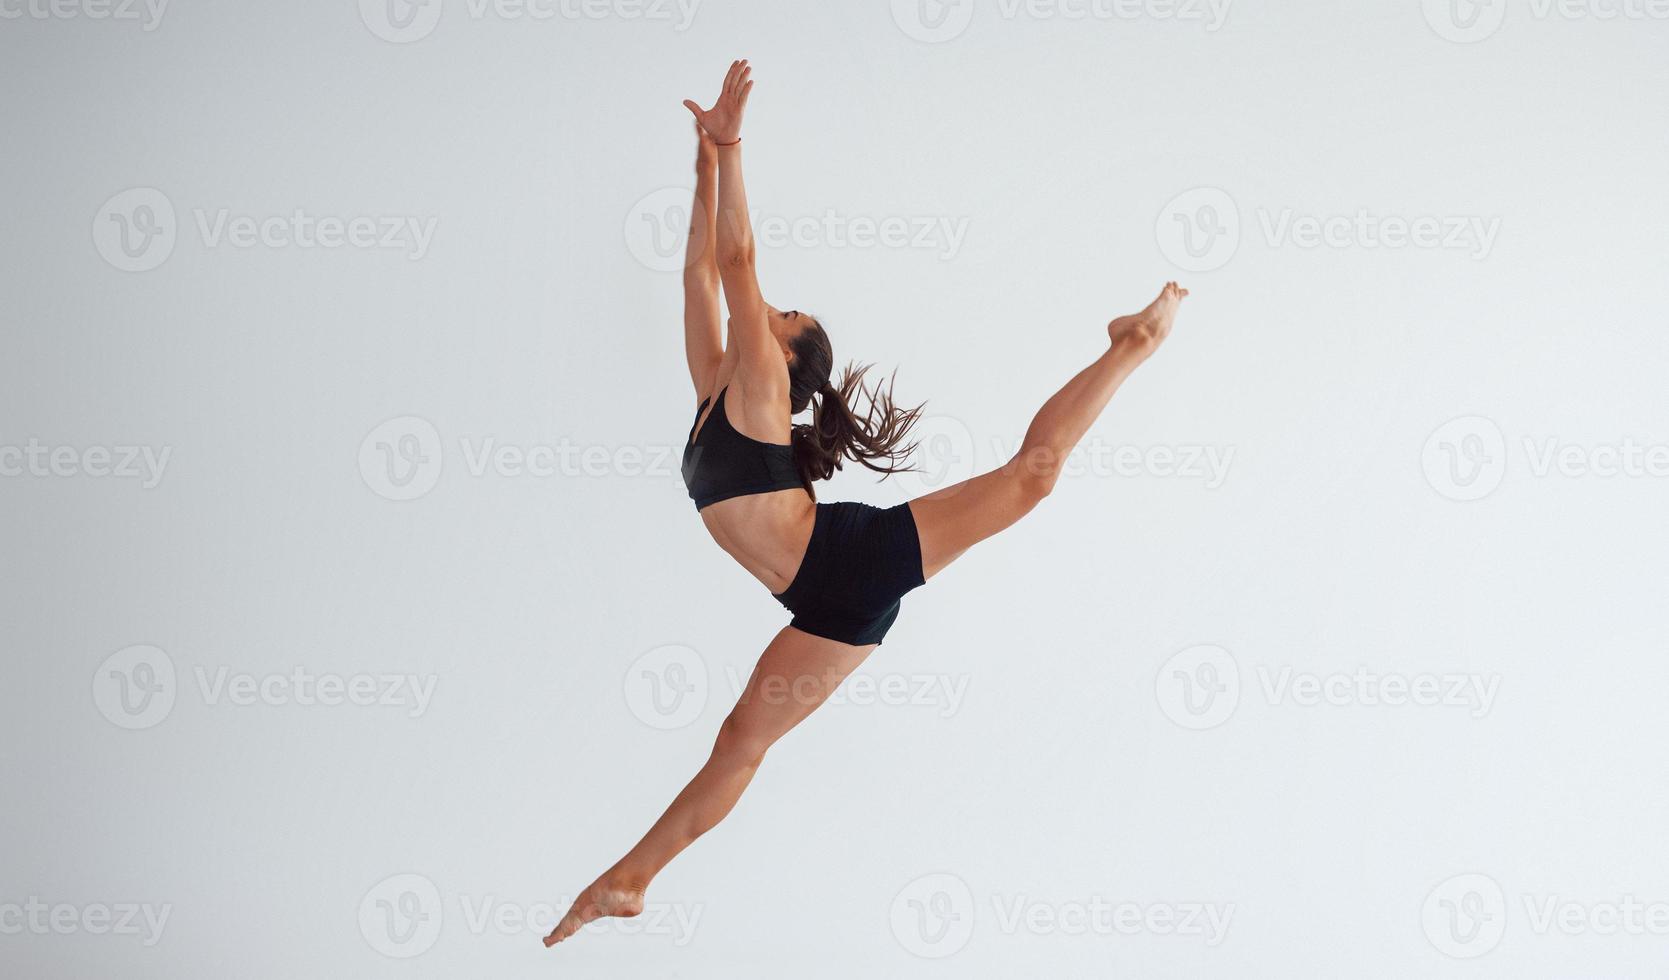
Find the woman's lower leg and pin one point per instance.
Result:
(707, 799)
(1063, 420)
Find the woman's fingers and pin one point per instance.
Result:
(738, 74)
(742, 101)
(695, 110)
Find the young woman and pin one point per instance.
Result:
(840, 568)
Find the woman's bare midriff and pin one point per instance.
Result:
(767, 533)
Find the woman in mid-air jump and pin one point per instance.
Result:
(841, 568)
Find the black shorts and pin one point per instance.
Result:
(860, 562)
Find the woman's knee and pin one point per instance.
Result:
(1034, 474)
(742, 739)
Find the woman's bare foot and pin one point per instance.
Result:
(608, 896)
(1145, 331)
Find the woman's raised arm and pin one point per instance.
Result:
(703, 318)
(734, 248)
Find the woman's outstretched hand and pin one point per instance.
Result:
(723, 122)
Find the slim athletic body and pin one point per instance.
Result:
(841, 568)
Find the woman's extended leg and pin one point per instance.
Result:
(795, 675)
(956, 518)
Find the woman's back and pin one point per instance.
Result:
(748, 491)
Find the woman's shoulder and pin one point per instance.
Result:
(758, 411)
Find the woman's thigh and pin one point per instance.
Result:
(794, 676)
(952, 520)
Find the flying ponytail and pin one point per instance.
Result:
(836, 433)
(876, 439)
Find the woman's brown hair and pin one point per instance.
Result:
(836, 433)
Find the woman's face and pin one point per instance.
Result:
(786, 325)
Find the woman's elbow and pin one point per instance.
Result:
(737, 257)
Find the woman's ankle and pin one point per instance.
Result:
(628, 877)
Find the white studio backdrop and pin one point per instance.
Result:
(355, 615)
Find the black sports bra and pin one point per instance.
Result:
(722, 463)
